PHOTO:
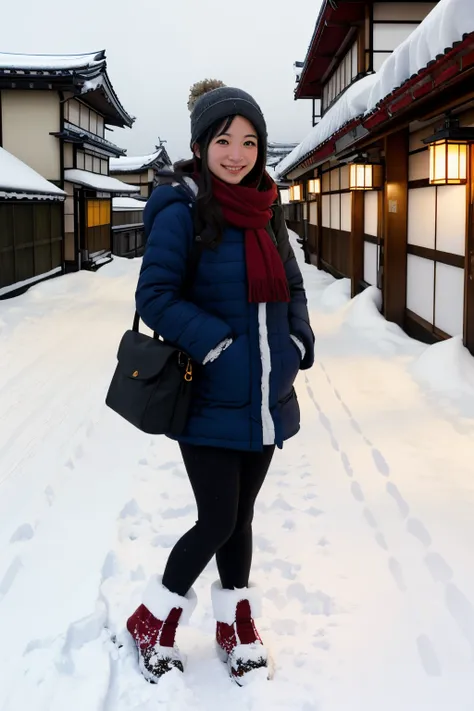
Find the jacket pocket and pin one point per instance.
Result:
(289, 367)
(226, 380)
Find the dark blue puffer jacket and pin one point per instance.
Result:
(228, 392)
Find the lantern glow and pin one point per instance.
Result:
(361, 176)
(448, 163)
(314, 186)
(296, 193)
(449, 153)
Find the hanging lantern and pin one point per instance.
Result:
(296, 193)
(448, 153)
(365, 176)
(314, 186)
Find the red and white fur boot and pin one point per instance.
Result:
(237, 640)
(153, 628)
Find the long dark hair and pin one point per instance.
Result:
(208, 219)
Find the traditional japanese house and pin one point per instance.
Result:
(383, 185)
(141, 171)
(31, 226)
(55, 114)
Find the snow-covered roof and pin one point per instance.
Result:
(18, 180)
(351, 104)
(130, 164)
(446, 25)
(122, 204)
(103, 183)
(51, 62)
(85, 73)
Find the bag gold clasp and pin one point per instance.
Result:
(188, 376)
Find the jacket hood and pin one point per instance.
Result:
(165, 195)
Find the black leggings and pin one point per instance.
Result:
(225, 484)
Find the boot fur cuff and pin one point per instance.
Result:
(160, 601)
(224, 602)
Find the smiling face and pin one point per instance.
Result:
(233, 151)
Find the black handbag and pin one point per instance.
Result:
(152, 384)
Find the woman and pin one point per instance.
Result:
(244, 322)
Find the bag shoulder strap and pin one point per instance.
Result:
(273, 228)
(194, 257)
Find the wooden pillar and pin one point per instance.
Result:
(319, 243)
(469, 263)
(396, 227)
(357, 241)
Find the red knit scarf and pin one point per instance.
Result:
(250, 209)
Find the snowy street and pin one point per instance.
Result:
(363, 532)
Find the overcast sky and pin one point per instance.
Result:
(156, 49)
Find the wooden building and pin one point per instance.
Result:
(55, 113)
(141, 171)
(127, 227)
(31, 226)
(383, 185)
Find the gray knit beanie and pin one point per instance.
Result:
(221, 103)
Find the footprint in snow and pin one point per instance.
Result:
(79, 451)
(10, 575)
(381, 541)
(178, 513)
(399, 500)
(24, 532)
(312, 603)
(288, 570)
(380, 462)
(163, 540)
(277, 597)
(418, 529)
(132, 509)
(169, 465)
(370, 518)
(347, 465)
(313, 511)
(428, 656)
(281, 505)
(263, 544)
(440, 570)
(397, 574)
(357, 492)
(50, 496)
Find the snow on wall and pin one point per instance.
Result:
(446, 24)
(19, 180)
(49, 61)
(351, 104)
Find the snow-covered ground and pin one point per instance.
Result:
(364, 529)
